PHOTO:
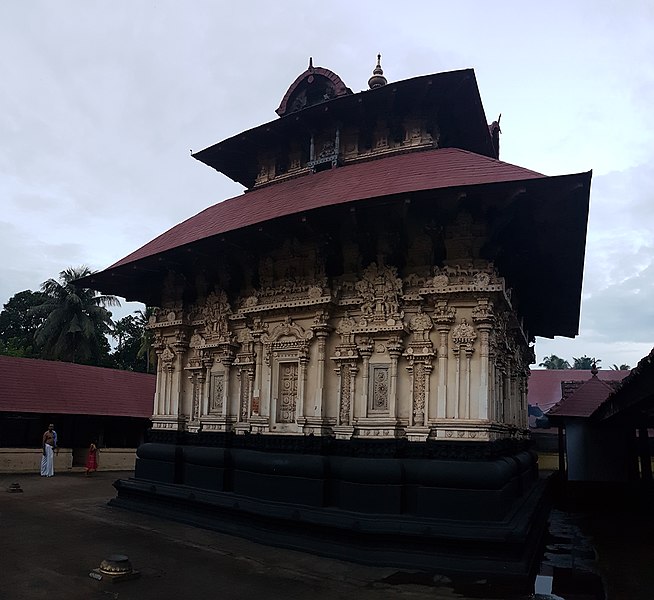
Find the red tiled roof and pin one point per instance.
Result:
(45, 386)
(403, 173)
(584, 400)
(546, 389)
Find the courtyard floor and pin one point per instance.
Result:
(59, 529)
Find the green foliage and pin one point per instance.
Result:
(128, 333)
(75, 320)
(18, 324)
(585, 363)
(554, 362)
(622, 367)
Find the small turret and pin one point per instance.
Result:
(377, 79)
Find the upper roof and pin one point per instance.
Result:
(327, 85)
(452, 98)
(45, 386)
(549, 386)
(397, 174)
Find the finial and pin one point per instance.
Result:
(377, 79)
(310, 63)
(593, 369)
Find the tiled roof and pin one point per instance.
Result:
(403, 173)
(549, 386)
(45, 386)
(582, 401)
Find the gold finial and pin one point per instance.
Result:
(377, 79)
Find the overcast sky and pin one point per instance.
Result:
(102, 101)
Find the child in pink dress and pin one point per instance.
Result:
(92, 459)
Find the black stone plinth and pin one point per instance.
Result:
(465, 514)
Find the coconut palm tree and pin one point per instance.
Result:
(554, 362)
(145, 349)
(76, 320)
(585, 363)
(623, 367)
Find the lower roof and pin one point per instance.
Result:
(547, 386)
(46, 386)
(538, 245)
(398, 174)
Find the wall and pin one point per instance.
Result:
(28, 460)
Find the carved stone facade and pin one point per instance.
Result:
(367, 354)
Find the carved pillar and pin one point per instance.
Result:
(226, 408)
(207, 363)
(178, 375)
(454, 407)
(463, 338)
(394, 350)
(365, 351)
(484, 318)
(444, 316)
(302, 386)
(318, 408)
(468, 375)
(258, 369)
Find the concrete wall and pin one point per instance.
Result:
(28, 460)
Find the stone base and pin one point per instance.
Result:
(417, 434)
(316, 425)
(452, 515)
(168, 422)
(217, 423)
(343, 432)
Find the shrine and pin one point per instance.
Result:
(344, 349)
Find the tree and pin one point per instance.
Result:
(128, 333)
(622, 367)
(145, 348)
(18, 324)
(76, 320)
(585, 363)
(554, 362)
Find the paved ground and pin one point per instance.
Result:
(58, 529)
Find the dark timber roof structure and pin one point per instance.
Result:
(536, 224)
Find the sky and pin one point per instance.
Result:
(103, 101)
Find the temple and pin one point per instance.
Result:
(344, 349)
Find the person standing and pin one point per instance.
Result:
(49, 445)
(92, 459)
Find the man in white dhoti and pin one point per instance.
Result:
(49, 445)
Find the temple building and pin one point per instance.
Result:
(345, 347)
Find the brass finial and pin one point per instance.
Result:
(377, 79)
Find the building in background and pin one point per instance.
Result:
(87, 404)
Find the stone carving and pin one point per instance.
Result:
(217, 392)
(380, 289)
(344, 413)
(216, 311)
(197, 341)
(380, 381)
(463, 335)
(288, 378)
(483, 312)
(419, 394)
(420, 325)
(444, 314)
(167, 356)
